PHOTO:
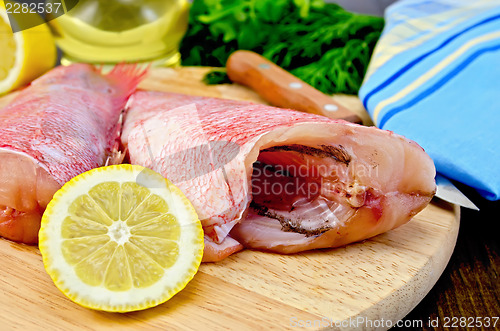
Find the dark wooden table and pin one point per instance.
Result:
(468, 291)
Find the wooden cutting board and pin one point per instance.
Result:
(381, 278)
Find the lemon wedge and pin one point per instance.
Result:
(24, 55)
(120, 238)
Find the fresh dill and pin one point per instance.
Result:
(321, 43)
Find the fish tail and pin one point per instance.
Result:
(124, 77)
(127, 76)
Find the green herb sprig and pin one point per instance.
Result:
(320, 43)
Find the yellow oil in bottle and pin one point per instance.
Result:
(112, 31)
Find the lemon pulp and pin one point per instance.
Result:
(119, 245)
(8, 47)
(26, 54)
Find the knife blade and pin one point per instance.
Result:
(282, 89)
(449, 192)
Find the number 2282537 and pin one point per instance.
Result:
(470, 322)
(33, 8)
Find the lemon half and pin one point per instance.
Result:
(24, 55)
(120, 238)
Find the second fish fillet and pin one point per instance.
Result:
(275, 179)
(65, 123)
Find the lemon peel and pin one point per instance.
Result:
(26, 54)
(120, 238)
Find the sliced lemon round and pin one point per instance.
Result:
(24, 55)
(120, 238)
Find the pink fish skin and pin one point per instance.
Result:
(215, 252)
(65, 123)
(360, 181)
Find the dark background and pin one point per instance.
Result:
(469, 286)
(371, 7)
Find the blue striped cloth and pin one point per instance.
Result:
(434, 77)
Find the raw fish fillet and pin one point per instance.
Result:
(275, 179)
(65, 123)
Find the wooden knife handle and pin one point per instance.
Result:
(282, 89)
